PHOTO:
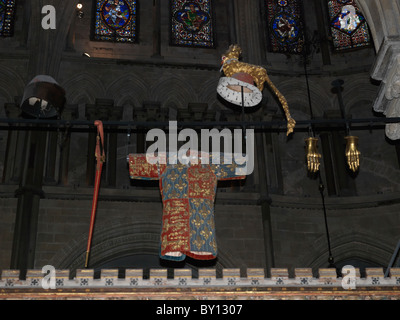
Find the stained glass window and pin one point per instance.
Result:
(285, 25)
(7, 8)
(115, 20)
(192, 23)
(348, 26)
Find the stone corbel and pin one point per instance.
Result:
(393, 90)
(387, 70)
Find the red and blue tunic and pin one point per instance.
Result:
(188, 195)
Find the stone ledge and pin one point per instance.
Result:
(304, 278)
(237, 198)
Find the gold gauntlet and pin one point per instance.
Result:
(352, 154)
(313, 157)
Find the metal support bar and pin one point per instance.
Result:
(392, 260)
(300, 124)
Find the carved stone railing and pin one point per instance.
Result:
(255, 285)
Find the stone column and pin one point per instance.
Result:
(26, 21)
(156, 29)
(139, 115)
(387, 70)
(29, 194)
(338, 176)
(112, 146)
(70, 113)
(152, 111)
(232, 24)
(248, 29)
(47, 45)
(15, 147)
(90, 164)
(324, 44)
(265, 202)
(273, 159)
(383, 19)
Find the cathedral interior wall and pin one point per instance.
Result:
(362, 208)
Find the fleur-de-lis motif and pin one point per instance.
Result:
(206, 233)
(204, 212)
(199, 242)
(197, 221)
(173, 176)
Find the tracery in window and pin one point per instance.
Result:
(115, 20)
(7, 13)
(285, 26)
(348, 26)
(192, 23)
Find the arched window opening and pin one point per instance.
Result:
(349, 29)
(115, 20)
(285, 27)
(7, 14)
(192, 23)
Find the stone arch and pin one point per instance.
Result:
(208, 92)
(173, 90)
(382, 17)
(295, 92)
(368, 10)
(375, 168)
(111, 240)
(11, 84)
(126, 88)
(83, 88)
(357, 90)
(122, 238)
(350, 245)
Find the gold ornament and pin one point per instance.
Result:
(231, 66)
(313, 156)
(352, 154)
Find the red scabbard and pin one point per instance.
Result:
(100, 159)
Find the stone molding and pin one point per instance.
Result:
(207, 278)
(387, 70)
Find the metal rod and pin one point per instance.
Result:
(394, 256)
(152, 124)
(308, 85)
(243, 119)
(321, 188)
(337, 84)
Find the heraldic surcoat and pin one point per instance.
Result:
(188, 194)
